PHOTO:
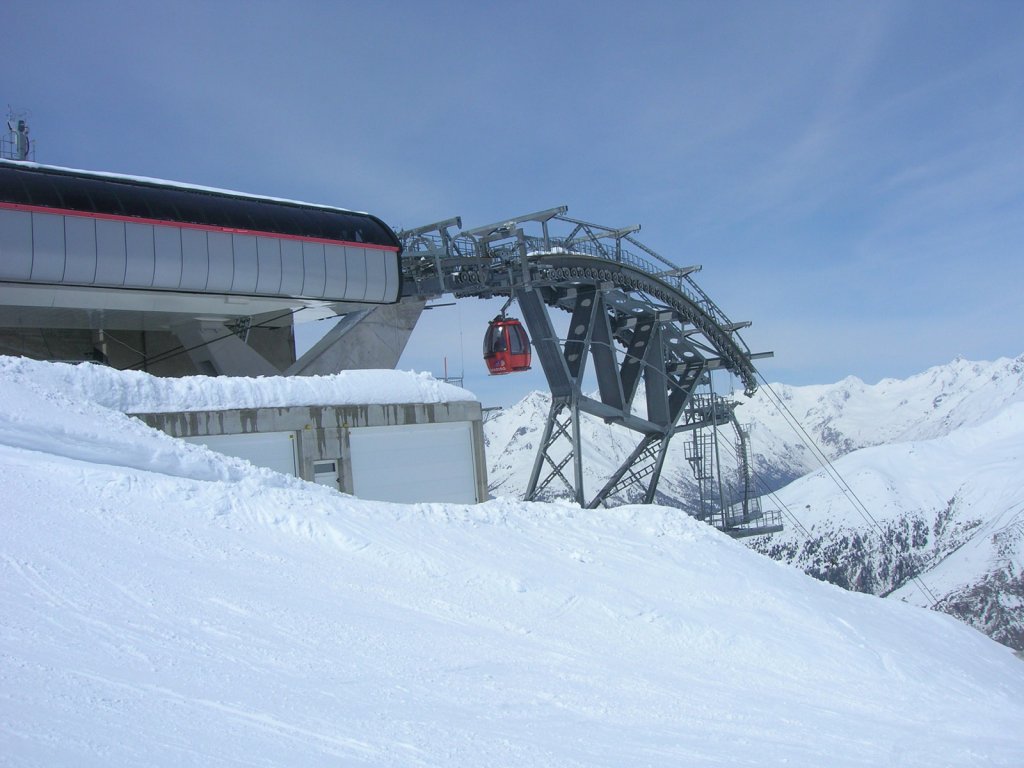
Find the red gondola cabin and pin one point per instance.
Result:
(506, 346)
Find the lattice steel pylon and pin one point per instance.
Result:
(641, 322)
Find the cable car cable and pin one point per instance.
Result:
(833, 474)
(182, 350)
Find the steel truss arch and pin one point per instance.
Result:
(641, 322)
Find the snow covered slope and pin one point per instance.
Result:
(164, 605)
(949, 509)
(930, 497)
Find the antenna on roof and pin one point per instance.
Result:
(17, 145)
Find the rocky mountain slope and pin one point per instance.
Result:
(935, 522)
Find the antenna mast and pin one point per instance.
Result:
(16, 145)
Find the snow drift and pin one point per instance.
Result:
(164, 605)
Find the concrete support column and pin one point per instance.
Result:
(367, 338)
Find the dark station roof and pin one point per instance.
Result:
(102, 195)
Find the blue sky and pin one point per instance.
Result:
(849, 174)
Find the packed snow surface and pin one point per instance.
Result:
(165, 605)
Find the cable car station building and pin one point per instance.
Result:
(179, 280)
(175, 280)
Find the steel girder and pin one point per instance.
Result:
(602, 319)
(640, 321)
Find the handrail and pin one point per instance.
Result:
(498, 246)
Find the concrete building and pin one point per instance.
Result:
(405, 452)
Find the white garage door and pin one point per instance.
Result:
(419, 462)
(274, 450)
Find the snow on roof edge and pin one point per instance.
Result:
(139, 392)
(176, 185)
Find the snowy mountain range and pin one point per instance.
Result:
(934, 469)
(849, 415)
(164, 605)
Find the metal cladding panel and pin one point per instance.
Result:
(15, 245)
(376, 278)
(141, 265)
(268, 265)
(111, 257)
(246, 264)
(414, 463)
(47, 247)
(314, 269)
(110, 238)
(222, 262)
(81, 229)
(80, 250)
(195, 260)
(392, 280)
(167, 249)
(337, 276)
(355, 262)
(291, 268)
(273, 450)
